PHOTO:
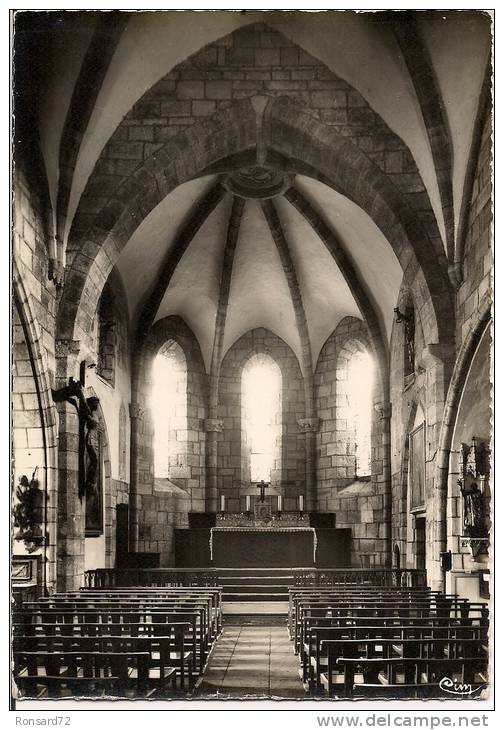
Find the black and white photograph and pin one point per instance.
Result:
(252, 450)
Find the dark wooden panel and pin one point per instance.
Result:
(267, 549)
(192, 548)
(322, 519)
(333, 548)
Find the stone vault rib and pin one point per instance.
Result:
(205, 206)
(434, 116)
(309, 423)
(220, 326)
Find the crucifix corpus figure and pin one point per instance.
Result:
(74, 393)
(262, 486)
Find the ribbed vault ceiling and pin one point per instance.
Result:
(350, 44)
(259, 293)
(262, 264)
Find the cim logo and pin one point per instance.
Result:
(448, 685)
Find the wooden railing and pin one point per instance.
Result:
(127, 577)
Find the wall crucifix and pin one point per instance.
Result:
(86, 407)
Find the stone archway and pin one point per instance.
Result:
(220, 143)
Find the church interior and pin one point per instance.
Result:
(251, 353)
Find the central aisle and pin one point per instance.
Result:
(252, 660)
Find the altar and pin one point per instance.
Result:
(287, 540)
(275, 547)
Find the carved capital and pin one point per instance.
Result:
(308, 425)
(455, 274)
(215, 425)
(55, 272)
(136, 410)
(384, 410)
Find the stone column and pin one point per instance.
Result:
(437, 361)
(384, 411)
(70, 510)
(213, 426)
(136, 413)
(310, 426)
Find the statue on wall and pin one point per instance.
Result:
(473, 474)
(408, 319)
(28, 512)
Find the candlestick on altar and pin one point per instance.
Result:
(279, 503)
(247, 503)
(301, 503)
(223, 503)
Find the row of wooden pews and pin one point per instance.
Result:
(134, 642)
(387, 641)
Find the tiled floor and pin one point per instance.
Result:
(252, 660)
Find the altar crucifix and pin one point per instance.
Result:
(262, 486)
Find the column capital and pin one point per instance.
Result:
(136, 410)
(384, 410)
(215, 425)
(309, 425)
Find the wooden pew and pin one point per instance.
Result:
(214, 592)
(314, 660)
(128, 612)
(419, 648)
(168, 641)
(346, 590)
(85, 673)
(387, 612)
(385, 677)
(212, 598)
(298, 602)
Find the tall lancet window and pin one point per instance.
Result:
(169, 410)
(358, 405)
(262, 411)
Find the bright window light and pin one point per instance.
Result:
(261, 392)
(168, 405)
(358, 409)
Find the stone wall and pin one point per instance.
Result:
(291, 481)
(34, 417)
(435, 362)
(476, 285)
(251, 61)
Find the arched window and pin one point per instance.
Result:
(356, 391)
(169, 410)
(262, 417)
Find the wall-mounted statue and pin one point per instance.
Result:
(408, 319)
(28, 513)
(473, 474)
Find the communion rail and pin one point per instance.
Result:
(128, 577)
